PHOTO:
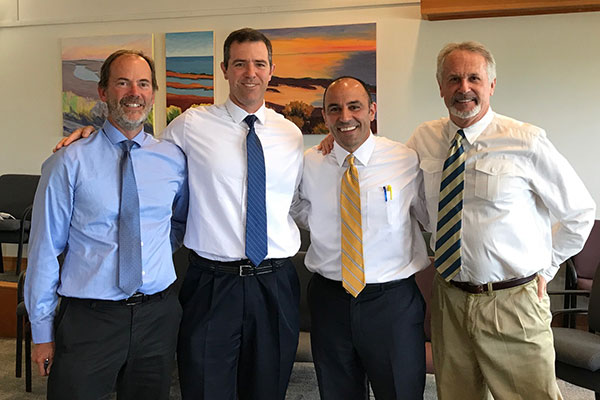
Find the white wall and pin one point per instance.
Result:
(547, 65)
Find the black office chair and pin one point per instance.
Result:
(23, 332)
(578, 351)
(16, 199)
(580, 270)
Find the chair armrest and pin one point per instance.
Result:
(569, 311)
(27, 212)
(570, 272)
(585, 293)
(20, 286)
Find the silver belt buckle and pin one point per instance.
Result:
(247, 268)
(135, 299)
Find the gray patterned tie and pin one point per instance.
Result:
(130, 249)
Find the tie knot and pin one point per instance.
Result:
(126, 145)
(350, 159)
(250, 120)
(460, 134)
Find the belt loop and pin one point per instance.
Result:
(490, 288)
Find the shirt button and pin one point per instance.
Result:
(142, 244)
(143, 273)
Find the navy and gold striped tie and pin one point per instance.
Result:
(353, 273)
(449, 222)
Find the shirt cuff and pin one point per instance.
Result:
(42, 332)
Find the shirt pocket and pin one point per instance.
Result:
(382, 213)
(432, 176)
(494, 178)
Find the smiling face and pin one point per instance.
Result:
(347, 113)
(128, 94)
(465, 87)
(248, 72)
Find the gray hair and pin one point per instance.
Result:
(473, 47)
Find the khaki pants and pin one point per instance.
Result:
(498, 342)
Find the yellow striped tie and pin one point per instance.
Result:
(353, 273)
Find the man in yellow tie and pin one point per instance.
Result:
(511, 209)
(361, 203)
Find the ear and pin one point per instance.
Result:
(493, 87)
(102, 94)
(272, 69)
(372, 111)
(224, 69)
(440, 88)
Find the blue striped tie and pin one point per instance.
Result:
(256, 212)
(130, 249)
(449, 223)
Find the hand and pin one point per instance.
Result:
(42, 352)
(75, 135)
(326, 145)
(541, 287)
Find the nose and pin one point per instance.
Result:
(464, 85)
(134, 90)
(250, 70)
(345, 115)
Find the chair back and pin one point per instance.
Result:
(587, 260)
(17, 193)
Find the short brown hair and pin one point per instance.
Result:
(105, 70)
(245, 35)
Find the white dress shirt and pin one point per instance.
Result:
(393, 247)
(214, 141)
(525, 209)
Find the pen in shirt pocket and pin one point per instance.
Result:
(385, 193)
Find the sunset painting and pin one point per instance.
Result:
(82, 59)
(308, 59)
(190, 71)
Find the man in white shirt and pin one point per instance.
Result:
(240, 297)
(377, 331)
(240, 325)
(524, 211)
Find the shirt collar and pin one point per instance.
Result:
(362, 154)
(116, 136)
(238, 114)
(472, 132)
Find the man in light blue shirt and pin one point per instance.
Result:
(105, 336)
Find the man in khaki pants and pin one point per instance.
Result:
(510, 210)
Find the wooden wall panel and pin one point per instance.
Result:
(454, 9)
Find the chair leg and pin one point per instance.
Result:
(28, 358)
(19, 352)
(1, 260)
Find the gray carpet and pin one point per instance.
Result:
(303, 384)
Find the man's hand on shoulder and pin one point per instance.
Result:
(43, 355)
(326, 144)
(77, 134)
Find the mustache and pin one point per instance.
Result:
(465, 96)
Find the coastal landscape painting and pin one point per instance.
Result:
(307, 59)
(189, 70)
(82, 59)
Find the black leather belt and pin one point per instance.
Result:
(135, 299)
(369, 287)
(477, 289)
(239, 267)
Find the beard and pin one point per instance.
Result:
(117, 111)
(465, 114)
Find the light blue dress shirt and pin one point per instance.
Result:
(76, 208)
